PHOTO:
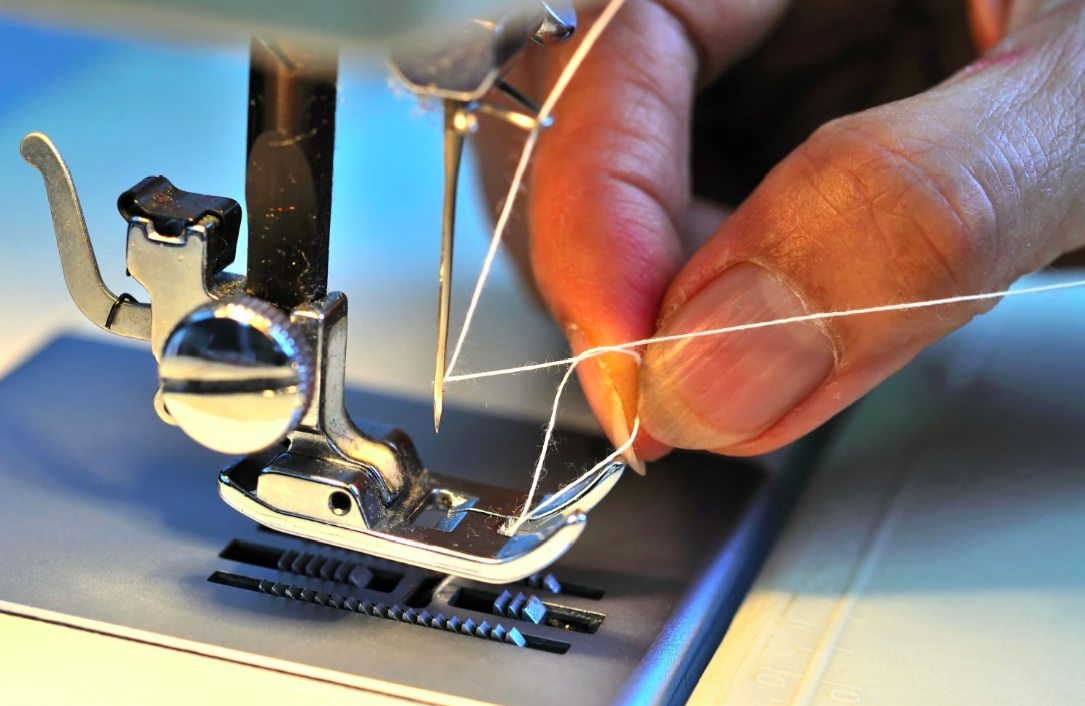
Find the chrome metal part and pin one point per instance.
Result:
(666, 566)
(466, 121)
(461, 62)
(236, 375)
(119, 315)
(453, 147)
(326, 431)
(518, 97)
(559, 23)
(363, 486)
(177, 245)
(288, 174)
(295, 500)
(239, 375)
(173, 271)
(580, 496)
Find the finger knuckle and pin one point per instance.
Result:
(911, 201)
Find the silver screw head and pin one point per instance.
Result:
(236, 375)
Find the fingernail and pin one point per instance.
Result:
(602, 392)
(716, 391)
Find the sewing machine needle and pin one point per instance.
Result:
(453, 153)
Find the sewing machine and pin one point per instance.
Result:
(933, 558)
(374, 555)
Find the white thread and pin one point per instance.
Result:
(539, 465)
(518, 176)
(626, 349)
(597, 468)
(592, 352)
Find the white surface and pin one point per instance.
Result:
(939, 557)
(45, 665)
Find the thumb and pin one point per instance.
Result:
(957, 191)
(609, 192)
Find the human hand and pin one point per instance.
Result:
(958, 190)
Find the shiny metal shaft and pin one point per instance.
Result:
(453, 154)
(288, 178)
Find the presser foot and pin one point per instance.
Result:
(364, 487)
(440, 523)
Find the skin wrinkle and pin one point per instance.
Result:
(901, 157)
(1068, 241)
(677, 349)
(631, 161)
(665, 97)
(1060, 86)
(648, 88)
(819, 190)
(644, 50)
(641, 265)
(636, 213)
(633, 211)
(1046, 174)
(614, 308)
(968, 154)
(1002, 240)
(991, 59)
(682, 295)
(1058, 9)
(891, 243)
(837, 210)
(688, 29)
(629, 155)
(1037, 168)
(1053, 93)
(965, 238)
(1060, 227)
(644, 186)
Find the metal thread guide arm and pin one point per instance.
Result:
(255, 365)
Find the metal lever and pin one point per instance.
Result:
(120, 315)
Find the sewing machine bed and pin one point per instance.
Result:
(111, 522)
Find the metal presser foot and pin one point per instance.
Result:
(255, 365)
